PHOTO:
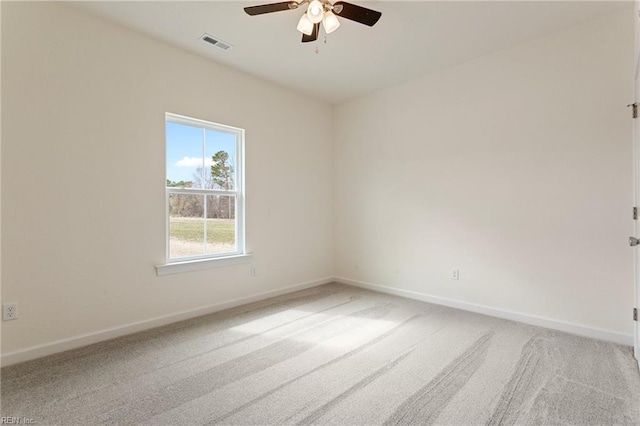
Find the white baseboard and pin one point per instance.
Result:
(580, 330)
(111, 333)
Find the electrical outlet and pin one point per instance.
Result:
(9, 311)
(455, 274)
(254, 270)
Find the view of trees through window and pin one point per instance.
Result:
(220, 176)
(202, 197)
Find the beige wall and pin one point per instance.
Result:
(83, 176)
(515, 168)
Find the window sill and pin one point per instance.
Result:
(200, 264)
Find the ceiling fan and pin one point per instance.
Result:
(320, 11)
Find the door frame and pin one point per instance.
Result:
(636, 175)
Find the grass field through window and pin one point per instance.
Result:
(191, 229)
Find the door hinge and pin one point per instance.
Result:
(635, 314)
(635, 213)
(634, 109)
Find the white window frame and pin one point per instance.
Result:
(205, 260)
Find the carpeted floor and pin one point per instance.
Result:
(333, 355)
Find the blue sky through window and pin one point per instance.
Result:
(188, 149)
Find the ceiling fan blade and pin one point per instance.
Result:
(356, 13)
(272, 7)
(313, 36)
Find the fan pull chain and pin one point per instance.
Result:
(317, 49)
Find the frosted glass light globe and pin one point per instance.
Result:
(315, 11)
(330, 22)
(305, 26)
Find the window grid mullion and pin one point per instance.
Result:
(204, 185)
(172, 190)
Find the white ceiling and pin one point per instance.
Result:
(411, 39)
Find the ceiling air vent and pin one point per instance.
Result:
(216, 42)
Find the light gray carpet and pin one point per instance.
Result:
(333, 355)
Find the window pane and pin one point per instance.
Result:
(208, 158)
(220, 154)
(221, 224)
(186, 225)
(185, 162)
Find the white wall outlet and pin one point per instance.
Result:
(455, 274)
(254, 270)
(9, 311)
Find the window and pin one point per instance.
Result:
(204, 189)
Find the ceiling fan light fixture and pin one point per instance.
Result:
(305, 26)
(315, 11)
(330, 22)
(319, 10)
